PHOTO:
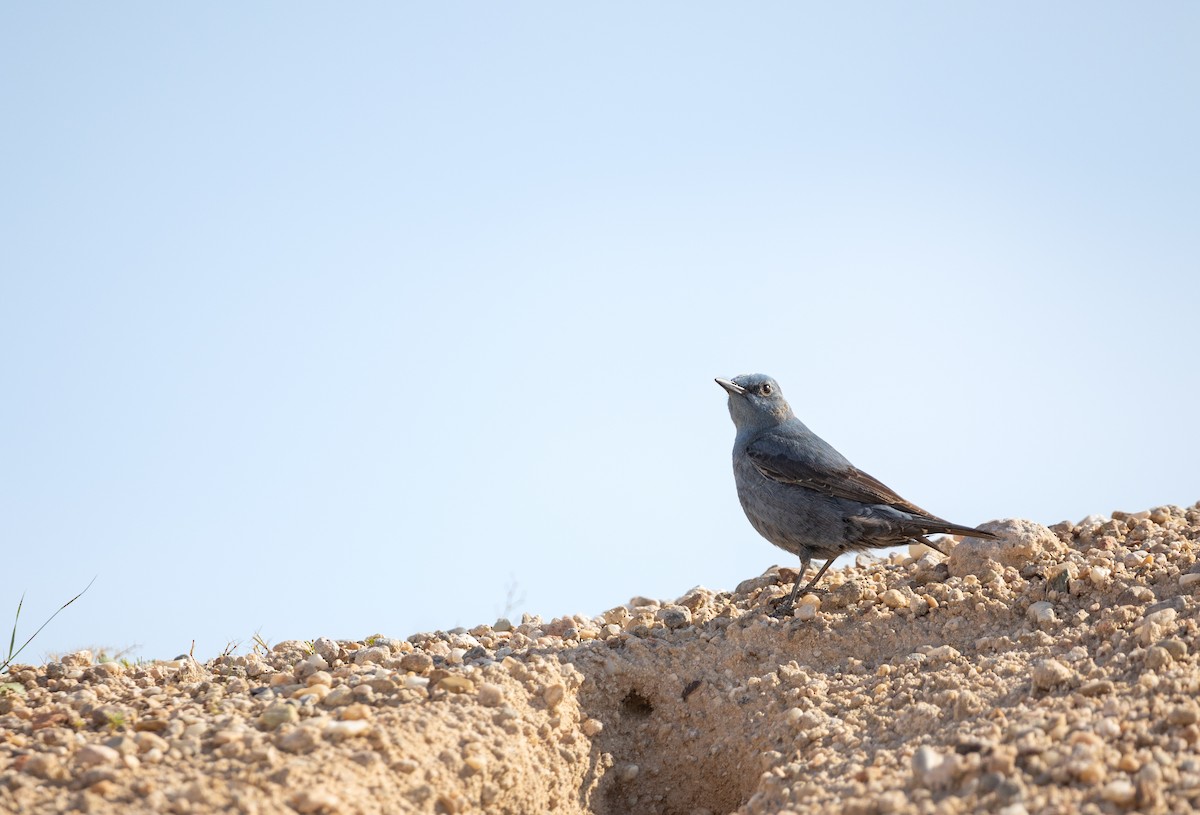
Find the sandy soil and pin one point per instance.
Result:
(1052, 671)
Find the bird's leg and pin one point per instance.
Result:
(785, 608)
(813, 582)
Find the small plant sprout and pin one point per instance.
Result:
(261, 646)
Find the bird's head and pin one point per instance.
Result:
(755, 401)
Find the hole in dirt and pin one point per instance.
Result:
(636, 706)
(671, 745)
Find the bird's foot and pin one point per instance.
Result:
(818, 592)
(785, 607)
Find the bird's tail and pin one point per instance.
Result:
(888, 526)
(945, 527)
(936, 526)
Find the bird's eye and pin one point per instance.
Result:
(766, 389)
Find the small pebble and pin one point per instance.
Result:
(315, 801)
(374, 654)
(1183, 714)
(925, 763)
(279, 713)
(345, 729)
(491, 694)
(1050, 672)
(96, 755)
(1119, 791)
(1041, 614)
(418, 662)
(553, 695)
(1158, 657)
(456, 684)
(356, 712)
(674, 617)
(1097, 687)
(327, 649)
(1013, 809)
(341, 695)
(303, 739)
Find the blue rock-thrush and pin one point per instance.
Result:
(806, 497)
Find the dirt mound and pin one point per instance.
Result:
(1053, 670)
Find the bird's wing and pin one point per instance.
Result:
(811, 463)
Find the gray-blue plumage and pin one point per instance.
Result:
(806, 497)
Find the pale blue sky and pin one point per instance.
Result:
(328, 321)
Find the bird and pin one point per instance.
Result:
(805, 497)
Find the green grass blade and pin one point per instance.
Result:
(13, 639)
(11, 655)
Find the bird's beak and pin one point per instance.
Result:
(737, 390)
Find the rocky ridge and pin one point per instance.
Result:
(1053, 670)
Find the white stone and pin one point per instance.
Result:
(1018, 542)
(1119, 791)
(1041, 614)
(925, 763)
